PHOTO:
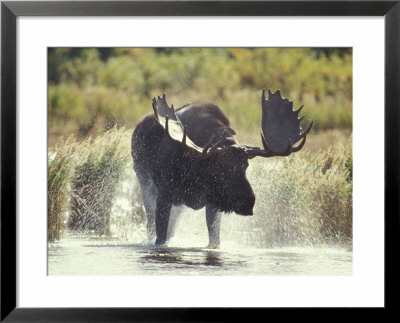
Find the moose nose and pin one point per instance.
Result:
(244, 200)
(247, 212)
(244, 211)
(245, 207)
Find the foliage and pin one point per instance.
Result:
(82, 179)
(93, 93)
(92, 90)
(349, 166)
(97, 172)
(59, 172)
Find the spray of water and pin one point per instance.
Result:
(296, 205)
(301, 201)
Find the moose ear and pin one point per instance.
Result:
(173, 127)
(216, 142)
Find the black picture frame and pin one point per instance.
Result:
(10, 10)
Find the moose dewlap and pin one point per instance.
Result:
(191, 157)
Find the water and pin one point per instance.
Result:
(86, 254)
(249, 246)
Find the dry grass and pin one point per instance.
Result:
(301, 200)
(305, 198)
(60, 162)
(100, 167)
(82, 180)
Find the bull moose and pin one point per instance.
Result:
(190, 157)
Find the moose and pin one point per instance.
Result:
(190, 157)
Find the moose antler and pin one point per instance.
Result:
(280, 127)
(173, 127)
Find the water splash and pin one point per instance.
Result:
(282, 215)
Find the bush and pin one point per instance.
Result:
(99, 169)
(88, 93)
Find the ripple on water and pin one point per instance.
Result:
(79, 254)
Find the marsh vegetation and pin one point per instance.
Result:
(97, 96)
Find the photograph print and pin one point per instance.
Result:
(200, 161)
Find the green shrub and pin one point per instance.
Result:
(88, 94)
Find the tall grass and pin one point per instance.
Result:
(303, 199)
(94, 93)
(83, 177)
(60, 166)
(101, 165)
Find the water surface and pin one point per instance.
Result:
(249, 246)
(83, 254)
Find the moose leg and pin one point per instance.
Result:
(149, 196)
(213, 218)
(163, 211)
(173, 220)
